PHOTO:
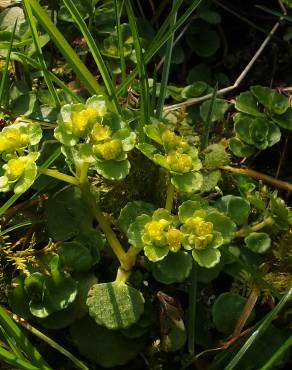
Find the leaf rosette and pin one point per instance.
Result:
(204, 231)
(92, 134)
(157, 234)
(175, 155)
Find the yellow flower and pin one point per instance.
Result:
(12, 139)
(100, 132)
(174, 238)
(15, 168)
(179, 162)
(81, 120)
(156, 231)
(169, 137)
(109, 150)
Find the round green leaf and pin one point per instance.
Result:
(237, 208)
(188, 182)
(74, 256)
(154, 253)
(284, 120)
(226, 311)
(113, 170)
(136, 229)
(205, 43)
(187, 209)
(107, 348)
(206, 257)
(219, 109)
(174, 268)
(223, 224)
(242, 127)
(115, 305)
(258, 242)
(240, 149)
(131, 211)
(247, 103)
(273, 101)
(194, 90)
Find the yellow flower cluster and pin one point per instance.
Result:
(179, 162)
(200, 232)
(108, 150)
(161, 234)
(15, 168)
(81, 120)
(12, 139)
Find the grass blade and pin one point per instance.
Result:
(40, 56)
(144, 104)
(208, 122)
(5, 70)
(11, 359)
(157, 43)
(14, 227)
(94, 51)
(65, 49)
(275, 12)
(192, 309)
(286, 345)
(13, 330)
(120, 39)
(166, 67)
(259, 331)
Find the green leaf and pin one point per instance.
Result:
(115, 305)
(242, 127)
(223, 224)
(174, 268)
(259, 130)
(113, 170)
(237, 208)
(210, 181)
(153, 131)
(226, 311)
(188, 183)
(258, 242)
(24, 105)
(131, 211)
(188, 208)
(27, 179)
(154, 253)
(205, 43)
(273, 101)
(107, 348)
(207, 257)
(136, 229)
(284, 120)
(240, 149)
(18, 298)
(279, 213)
(220, 108)
(247, 103)
(195, 89)
(215, 156)
(74, 256)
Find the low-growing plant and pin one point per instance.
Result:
(101, 255)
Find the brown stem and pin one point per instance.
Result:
(272, 181)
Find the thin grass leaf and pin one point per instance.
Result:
(10, 358)
(259, 331)
(40, 56)
(275, 12)
(30, 351)
(5, 70)
(11, 343)
(94, 51)
(120, 39)
(166, 68)
(157, 43)
(53, 77)
(208, 122)
(153, 94)
(79, 364)
(144, 100)
(14, 227)
(65, 49)
(192, 309)
(280, 351)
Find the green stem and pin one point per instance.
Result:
(192, 309)
(169, 196)
(105, 227)
(122, 276)
(284, 347)
(251, 229)
(58, 175)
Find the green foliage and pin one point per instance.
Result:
(262, 110)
